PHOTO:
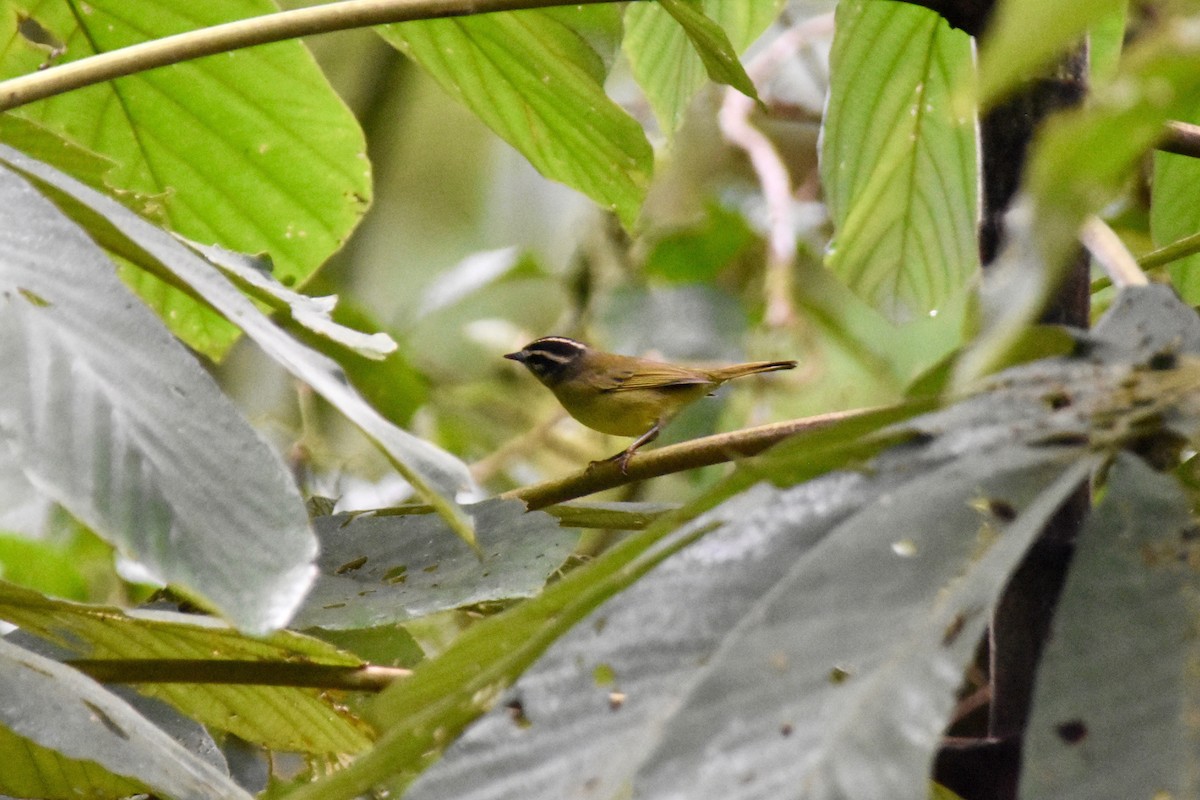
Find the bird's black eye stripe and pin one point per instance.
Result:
(555, 349)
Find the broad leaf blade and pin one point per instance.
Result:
(251, 150)
(108, 415)
(59, 709)
(377, 570)
(668, 66)
(810, 610)
(898, 163)
(535, 82)
(433, 473)
(1127, 612)
(716, 52)
(277, 717)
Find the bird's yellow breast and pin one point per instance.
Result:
(628, 412)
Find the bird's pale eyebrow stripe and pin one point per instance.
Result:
(558, 349)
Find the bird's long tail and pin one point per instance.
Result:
(723, 374)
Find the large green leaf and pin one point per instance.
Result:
(669, 66)
(1117, 683)
(106, 413)
(251, 150)
(57, 709)
(898, 162)
(539, 85)
(433, 473)
(277, 717)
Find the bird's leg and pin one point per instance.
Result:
(622, 458)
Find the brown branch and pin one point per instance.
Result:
(265, 29)
(365, 678)
(687, 455)
(1181, 138)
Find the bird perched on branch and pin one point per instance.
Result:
(624, 395)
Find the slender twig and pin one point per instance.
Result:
(1181, 138)
(1181, 248)
(1111, 253)
(737, 128)
(365, 678)
(338, 16)
(687, 455)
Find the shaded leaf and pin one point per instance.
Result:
(1116, 682)
(278, 717)
(898, 162)
(58, 709)
(251, 149)
(538, 84)
(108, 415)
(790, 647)
(376, 570)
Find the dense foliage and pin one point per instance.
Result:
(196, 605)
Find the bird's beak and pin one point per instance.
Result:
(517, 356)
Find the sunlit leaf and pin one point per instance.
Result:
(538, 84)
(250, 149)
(898, 162)
(279, 717)
(666, 63)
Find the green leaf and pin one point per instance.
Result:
(1026, 35)
(667, 57)
(1080, 162)
(1174, 213)
(58, 709)
(110, 416)
(376, 570)
(698, 254)
(537, 83)
(434, 474)
(277, 717)
(250, 149)
(898, 163)
(712, 45)
(1127, 614)
(1106, 40)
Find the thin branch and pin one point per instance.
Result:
(366, 678)
(1181, 248)
(1111, 253)
(265, 29)
(687, 455)
(1181, 138)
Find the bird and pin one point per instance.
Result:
(624, 395)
